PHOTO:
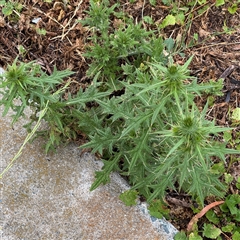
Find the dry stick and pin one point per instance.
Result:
(201, 213)
(216, 44)
(227, 72)
(53, 19)
(68, 23)
(64, 34)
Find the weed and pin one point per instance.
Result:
(11, 9)
(143, 120)
(41, 31)
(129, 197)
(25, 84)
(180, 13)
(153, 127)
(112, 46)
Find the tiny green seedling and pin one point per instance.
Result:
(129, 197)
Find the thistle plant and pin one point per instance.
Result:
(189, 157)
(151, 130)
(139, 112)
(26, 85)
(29, 84)
(129, 44)
(154, 134)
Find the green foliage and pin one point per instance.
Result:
(236, 115)
(168, 20)
(238, 183)
(212, 217)
(218, 168)
(25, 84)
(194, 236)
(138, 113)
(160, 134)
(152, 126)
(99, 16)
(236, 236)
(112, 46)
(180, 236)
(41, 31)
(210, 231)
(152, 2)
(220, 2)
(129, 197)
(11, 8)
(231, 204)
(220, 223)
(158, 209)
(233, 8)
(216, 89)
(180, 12)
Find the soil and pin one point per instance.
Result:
(216, 55)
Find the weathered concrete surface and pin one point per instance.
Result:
(47, 196)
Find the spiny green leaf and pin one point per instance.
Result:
(140, 150)
(103, 177)
(135, 123)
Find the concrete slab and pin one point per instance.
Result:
(47, 196)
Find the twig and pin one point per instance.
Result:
(202, 213)
(68, 23)
(53, 19)
(217, 44)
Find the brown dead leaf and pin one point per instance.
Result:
(24, 22)
(2, 22)
(203, 33)
(236, 48)
(117, 23)
(61, 15)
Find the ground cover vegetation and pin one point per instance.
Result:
(150, 87)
